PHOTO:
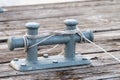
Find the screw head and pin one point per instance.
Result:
(15, 59)
(23, 64)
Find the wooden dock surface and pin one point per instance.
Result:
(101, 16)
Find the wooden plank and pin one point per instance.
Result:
(104, 77)
(59, 13)
(84, 3)
(105, 66)
(102, 21)
(25, 15)
(19, 31)
(85, 23)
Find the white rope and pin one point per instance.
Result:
(66, 32)
(25, 43)
(50, 49)
(117, 59)
(61, 53)
(41, 41)
(58, 32)
(53, 34)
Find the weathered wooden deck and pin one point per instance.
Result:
(101, 16)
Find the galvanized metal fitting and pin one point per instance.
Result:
(1, 10)
(10, 44)
(33, 62)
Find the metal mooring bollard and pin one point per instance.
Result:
(33, 62)
(1, 10)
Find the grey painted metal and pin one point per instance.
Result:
(33, 62)
(1, 10)
(70, 45)
(49, 63)
(14, 42)
(32, 55)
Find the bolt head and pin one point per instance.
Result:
(32, 25)
(23, 64)
(84, 58)
(55, 61)
(45, 55)
(15, 59)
